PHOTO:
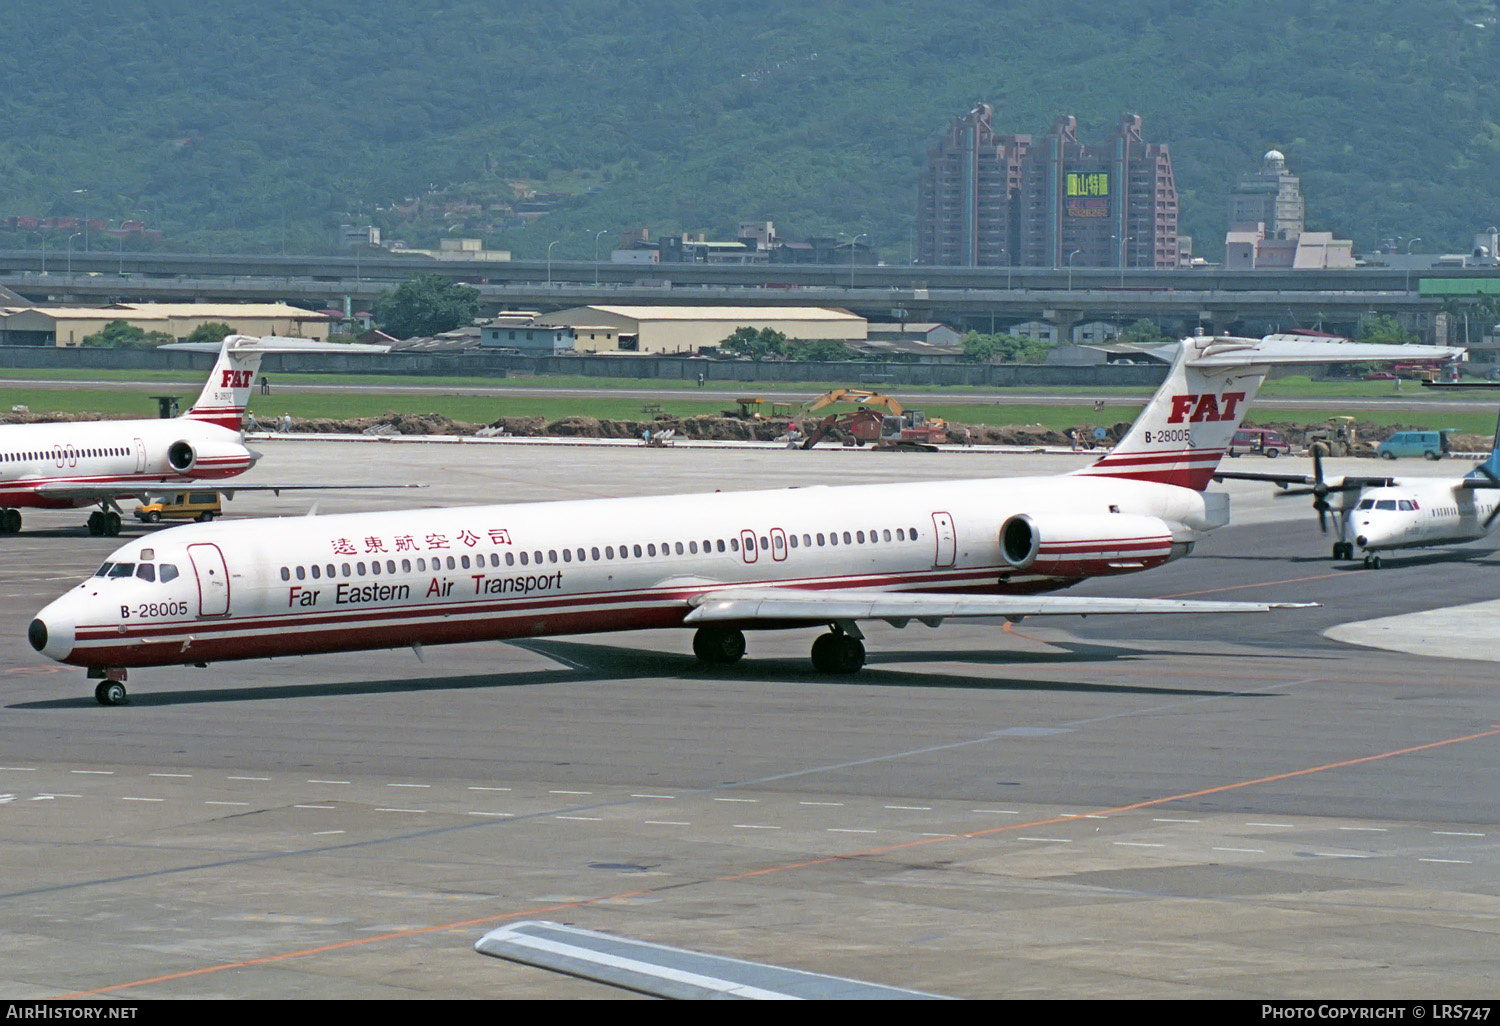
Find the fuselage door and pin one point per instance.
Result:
(140, 456)
(947, 540)
(213, 579)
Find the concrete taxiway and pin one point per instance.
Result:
(1171, 807)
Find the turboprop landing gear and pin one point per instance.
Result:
(111, 690)
(104, 522)
(838, 652)
(1343, 550)
(10, 521)
(719, 646)
(1372, 561)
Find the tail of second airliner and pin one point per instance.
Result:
(227, 391)
(1187, 426)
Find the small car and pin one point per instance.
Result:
(199, 506)
(1380, 376)
(1268, 443)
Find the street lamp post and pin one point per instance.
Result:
(853, 243)
(70, 254)
(1409, 245)
(1070, 267)
(597, 236)
(549, 260)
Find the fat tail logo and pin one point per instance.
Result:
(227, 391)
(1196, 409)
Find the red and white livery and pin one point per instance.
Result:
(98, 462)
(721, 563)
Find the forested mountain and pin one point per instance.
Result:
(264, 125)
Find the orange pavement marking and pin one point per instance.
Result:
(826, 860)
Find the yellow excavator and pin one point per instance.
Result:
(880, 420)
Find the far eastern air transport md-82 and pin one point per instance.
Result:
(97, 462)
(721, 563)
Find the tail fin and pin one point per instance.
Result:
(227, 392)
(1185, 429)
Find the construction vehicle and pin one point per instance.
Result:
(1336, 438)
(895, 428)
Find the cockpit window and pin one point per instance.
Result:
(1406, 504)
(122, 570)
(1366, 504)
(168, 572)
(1386, 504)
(146, 572)
(103, 571)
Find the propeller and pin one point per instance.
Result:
(1320, 490)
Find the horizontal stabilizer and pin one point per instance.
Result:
(782, 604)
(277, 344)
(671, 972)
(1309, 349)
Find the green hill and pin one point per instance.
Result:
(263, 126)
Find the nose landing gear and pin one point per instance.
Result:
(111, 690)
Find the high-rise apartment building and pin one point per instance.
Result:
(988, 200)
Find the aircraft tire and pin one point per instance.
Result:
(719, 646)
(110, 692)
(838, 654)
(10, 521)
(111, 524)
(96, 523)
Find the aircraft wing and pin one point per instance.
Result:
(65, 490)
(897, 607)
(1287, 480)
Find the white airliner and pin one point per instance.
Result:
(721, 563)
(97, 462)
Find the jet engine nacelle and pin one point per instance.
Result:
(182, 456)
(1087, 545)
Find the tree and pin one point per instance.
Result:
(982, 348)
(426, 305)
(1144, 331)
(212, 331)
(1385, 328)
(757, 345)
(826, 350)
(124, 335)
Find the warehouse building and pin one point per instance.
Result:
(64, 326)
(687, 329)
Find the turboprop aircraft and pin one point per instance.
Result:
(97, 462)
(721, 563)
(1384, 513)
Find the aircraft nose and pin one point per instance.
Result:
(51, 633)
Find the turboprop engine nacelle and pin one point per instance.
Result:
(1087, 545)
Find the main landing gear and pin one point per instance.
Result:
(10, 521)
(111, 690)
(1343, 550)
(840, 651)
(104, 522)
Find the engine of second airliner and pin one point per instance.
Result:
(182, 456)
(1087, 544)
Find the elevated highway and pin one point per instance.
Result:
(982, 298)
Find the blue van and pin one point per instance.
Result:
(1431, 444)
